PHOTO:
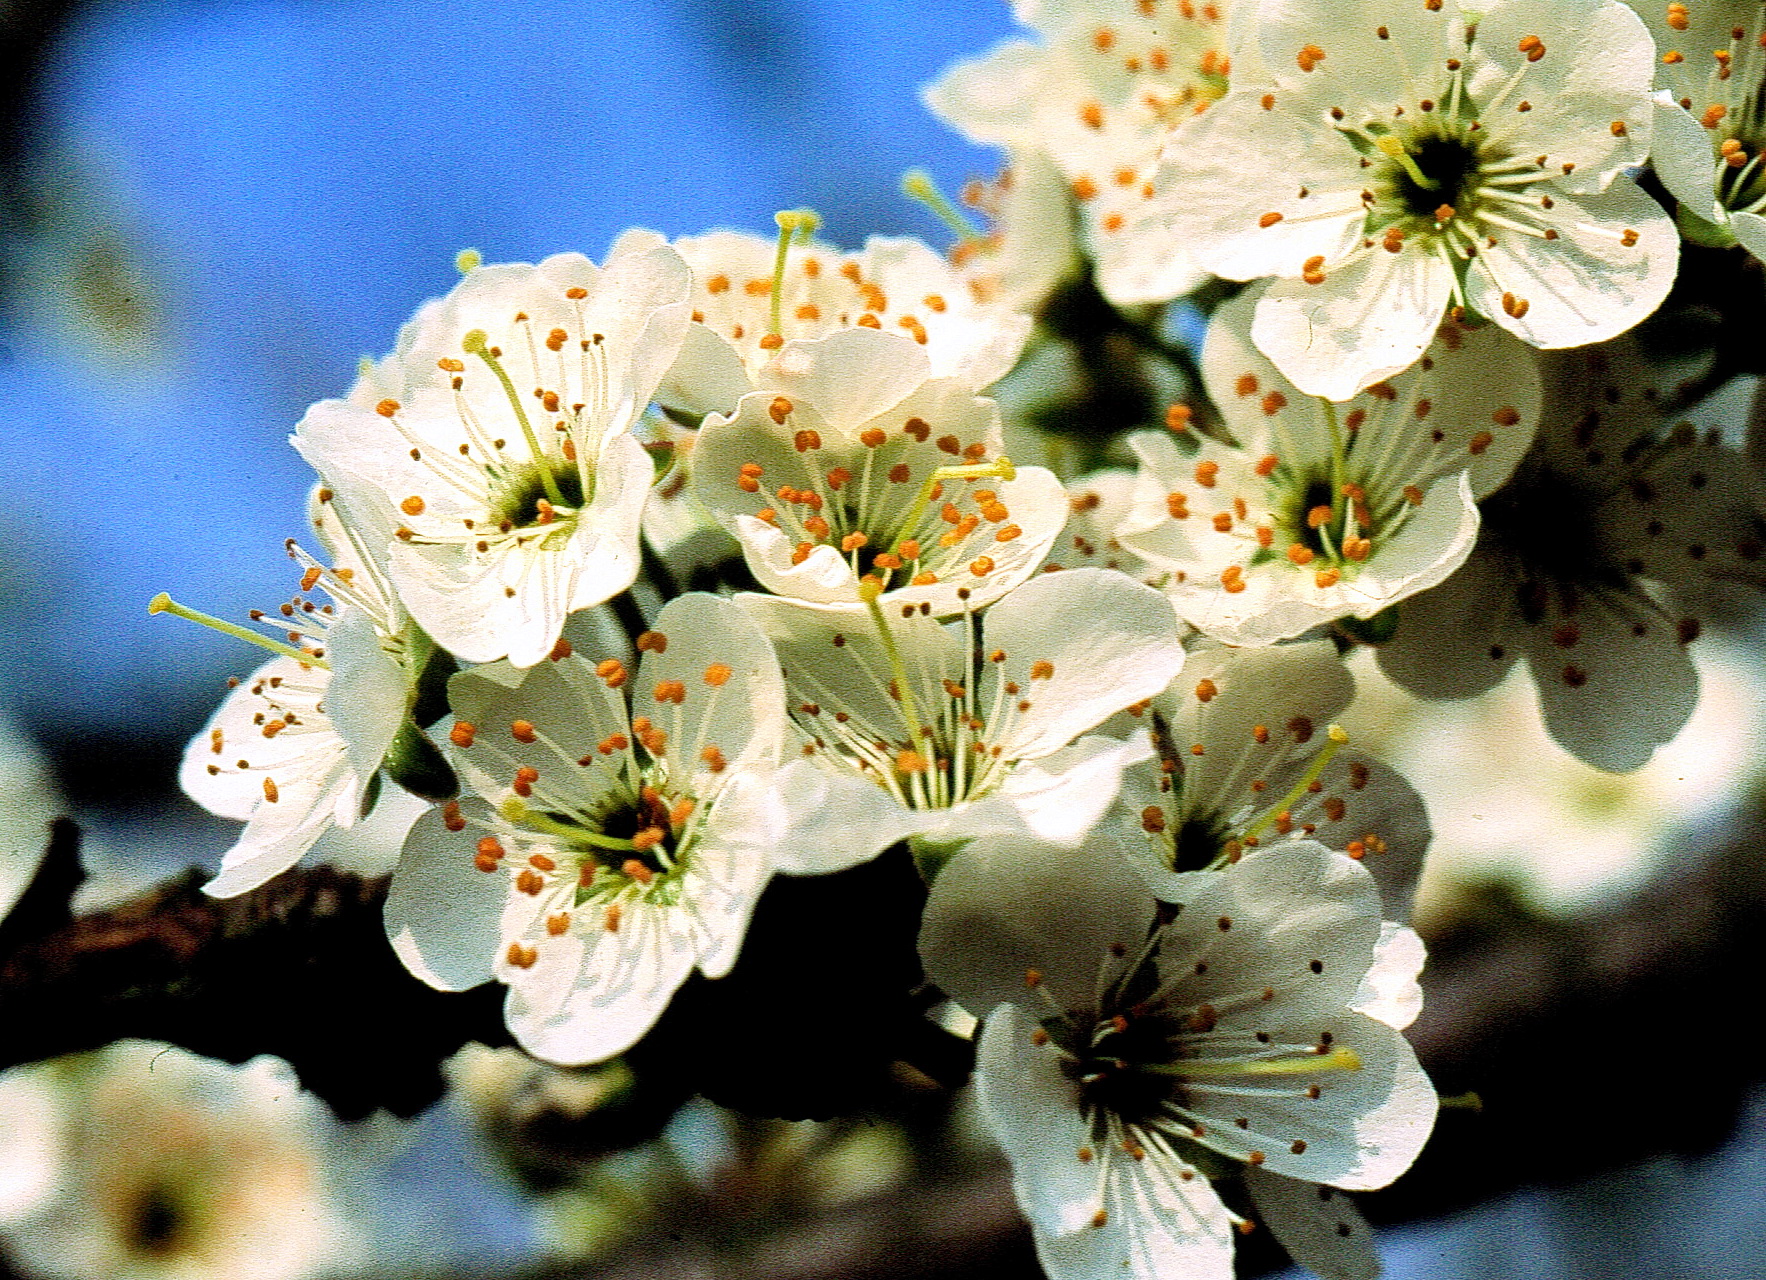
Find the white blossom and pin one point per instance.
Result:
(603, 851)
(944, 732)
(1397, 160)
(1320, 512)
(151, 1162)
(896, 285)
(506, 468)
(1125, 1064)
(1709, 125)
(1249, 753)
(853, 471)
(295, 750)
(1097, 100)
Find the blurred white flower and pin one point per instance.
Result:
(1507, 802)
(1618, 529)
(1395, 161)
(144, 1162)
(1097, 100)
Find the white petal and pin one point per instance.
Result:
(1750, 230)
(1061, 796)
(1595, 73)
(1371, 317)
(1032, 1109)
(851, 376)
(443, 915)
(1448, 639)
(1589, 284)
(367, 694)
(1159, 1225)
(591, 995)
(1616, 696)
(987, 97)
(1003, 906)
(707, 377)
(1682, 157)
(1320, 1227)
(1390, 993)
(1079, 622)
(734, 697)
(1223, 217)
(838, 820)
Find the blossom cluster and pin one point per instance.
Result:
(1100, 709)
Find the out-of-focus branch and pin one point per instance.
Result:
(299, 968)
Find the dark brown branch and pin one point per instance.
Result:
(299, 968)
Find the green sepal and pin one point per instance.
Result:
(417, 765)
(931, 855)
(1205, 1160)
(370, 795)
(1696, 230)
(429, 687)
(1375, 630)
(662, 458)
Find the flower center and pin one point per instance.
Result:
(525, 500)
(1442, 171)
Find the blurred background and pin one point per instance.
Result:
(210, 210)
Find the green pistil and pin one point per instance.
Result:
(869, 593)
(917, 184)
(163, 603)
(1338, 738)
(793, 223)
(517, 812)
(1394, 148)
(477, 343)
(1302, 1065)
(1000, 468)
